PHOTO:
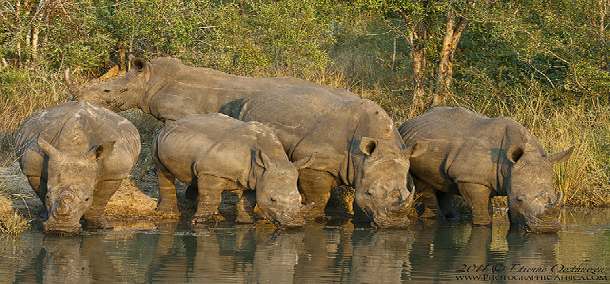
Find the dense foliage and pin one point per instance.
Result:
(545, 63)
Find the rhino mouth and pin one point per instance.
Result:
(53, 226)
(395, 217)
(382, 219)
(61, 229)
(547, 223)
(284, 220)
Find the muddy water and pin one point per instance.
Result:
(175, 253)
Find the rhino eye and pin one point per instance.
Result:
(273, 199)
(106, 91)
(87, 199)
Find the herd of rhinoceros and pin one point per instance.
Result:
(287, 140)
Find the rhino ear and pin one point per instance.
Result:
(304, 163)
(561, 156)
(416, 149)
(138, 63)
(263, 160)
(47, 148)
(368, 145)
(514, 153)
(101, 151)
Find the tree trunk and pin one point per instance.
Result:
(453, 32)
(416, 39)
(34, 42)
(418, 58)
(122, 57)
(37, 14)
(18, 24)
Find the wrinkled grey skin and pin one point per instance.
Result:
(353, 139)
(479, 157)
(75, 156)
(217, 153)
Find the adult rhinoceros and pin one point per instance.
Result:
(479, 157)
(75, 156)
(354, 140)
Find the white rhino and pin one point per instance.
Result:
(217, 153)
(75, 156)
(355, 139)
(479, 157)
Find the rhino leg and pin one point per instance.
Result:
(33, 165)
(209, 199)
(245, 207)
(452, 206)
(95, 215)
(478, 198)
(36, 186)
(427, 196)
(41, 192)
(315, 187)
(168, 203)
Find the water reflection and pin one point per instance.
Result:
(178, 253)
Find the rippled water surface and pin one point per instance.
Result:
(173, 253)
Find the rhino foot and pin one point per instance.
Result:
(244, 218)
(207, 219)
(429, 213)
(97, 223)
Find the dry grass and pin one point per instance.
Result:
(22, 92)
(131, 203)
(11, 223)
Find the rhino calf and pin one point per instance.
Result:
(75, 156)
(216, 153)
(479, 157)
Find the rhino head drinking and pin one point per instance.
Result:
(533, 202)
(71, 179)
(276, 194)
(381, 182)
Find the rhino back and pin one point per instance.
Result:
(294, 116)
(188, 90)
(463, 146)
(59, 125)
(220, 143)
(324, 124)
